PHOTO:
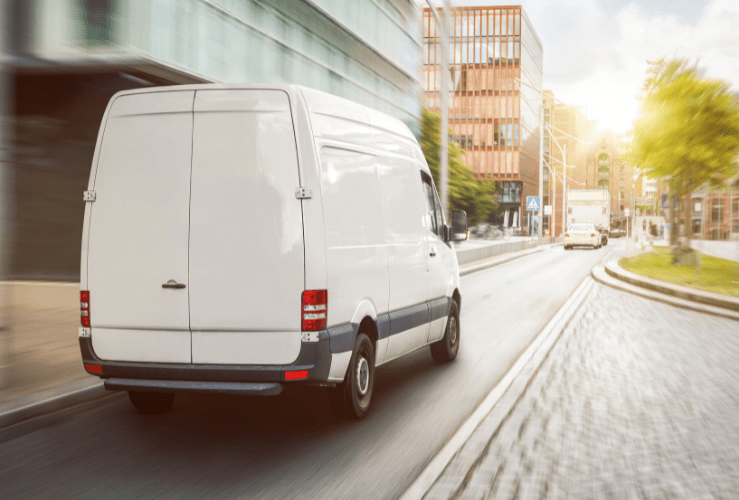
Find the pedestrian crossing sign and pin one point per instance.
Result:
(533, 203)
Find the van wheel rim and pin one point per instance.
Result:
(453, 331)
(362, 375)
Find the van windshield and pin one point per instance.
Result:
(581, 227)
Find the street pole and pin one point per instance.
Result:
(541, 169)
(7, 348)
(554, 199)
(443, 167)
(564, 186)
(443, 29)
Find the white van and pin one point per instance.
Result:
(238, 238)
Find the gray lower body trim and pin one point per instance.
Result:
(439, 308)
(341, 337)
(240, 388)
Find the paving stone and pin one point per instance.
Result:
(637, 399)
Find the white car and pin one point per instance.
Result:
(240, 238)
(582, 234)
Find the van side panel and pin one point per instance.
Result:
(401, 194)
(246, 230)
(138, 224)
(356, 249)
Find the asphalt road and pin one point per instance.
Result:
(289, 446)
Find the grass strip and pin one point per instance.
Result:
(714, 275)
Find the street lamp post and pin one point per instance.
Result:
(443, 31)
(564, 187)
(552, 183)
(541, 172)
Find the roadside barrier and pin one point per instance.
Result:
(465, 255)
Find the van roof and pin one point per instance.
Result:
(316, 101)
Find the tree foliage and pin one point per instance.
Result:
(688, 129)
(474, 196)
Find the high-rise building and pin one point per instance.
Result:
(607, 169)
(493, 119)
(568, 142)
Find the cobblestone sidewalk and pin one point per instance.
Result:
(637, 399)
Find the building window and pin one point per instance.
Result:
(622, 183)
(622, 169)
(496, 136)
(508, 135)
(98, 21)
(510, 192)
(603, 185)
(697, 226)
(717, 207)
(604, 160)
(466, 141)
(735, 206)
(604, 172)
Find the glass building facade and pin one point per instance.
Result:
(364, 50)
(71, 56)
(494, 120)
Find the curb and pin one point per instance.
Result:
(600, 274)
(36, 405)
(707, 298)
(46, 402)
(496, 261)
(450, 470)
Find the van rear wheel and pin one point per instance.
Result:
(152, 403)
(351, 398)
(447, 348)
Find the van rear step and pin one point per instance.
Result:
(240, 388)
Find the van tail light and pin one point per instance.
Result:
(94, 369)
(592, 235)
(567, 235)
(314, 309)
(296, 375)
(85, 308)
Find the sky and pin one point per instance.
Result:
(596, 51)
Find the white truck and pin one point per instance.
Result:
(590, 205)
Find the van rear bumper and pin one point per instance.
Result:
(315, 357)
(237, 388)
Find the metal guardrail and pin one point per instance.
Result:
(465, 255)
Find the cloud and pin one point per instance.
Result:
(577, 36)
(609, 85)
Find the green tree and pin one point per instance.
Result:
(475, 196)
(687, 133)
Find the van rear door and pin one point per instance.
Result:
(246, 230)
(138, 230)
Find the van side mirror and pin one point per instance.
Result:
(459, 225)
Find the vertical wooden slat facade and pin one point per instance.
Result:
(489, 50)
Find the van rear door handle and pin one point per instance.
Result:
(173, 284)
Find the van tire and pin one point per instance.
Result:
(152, 403)
(351, 398)
(446, 349)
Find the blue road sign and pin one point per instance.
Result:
(533, 203)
